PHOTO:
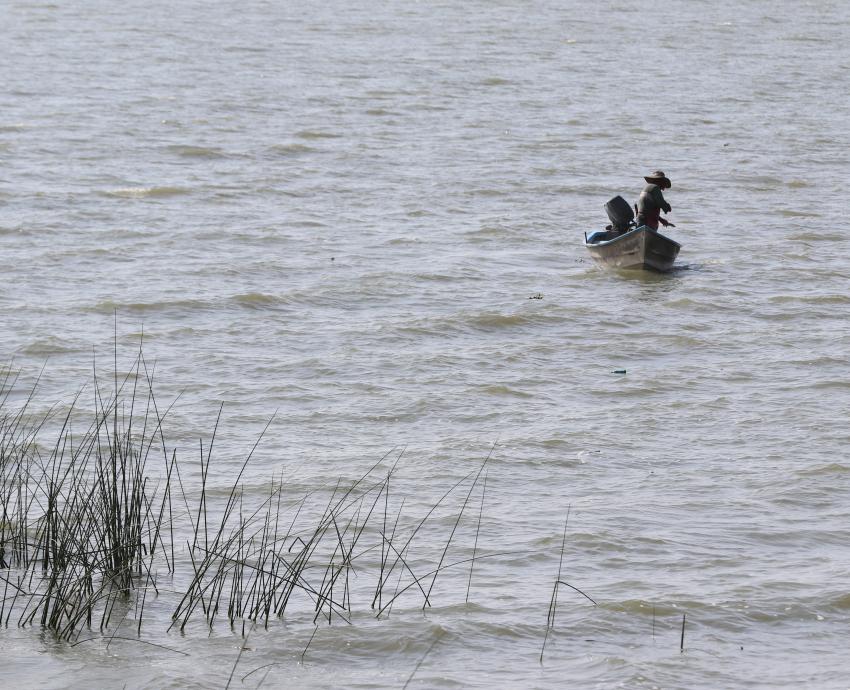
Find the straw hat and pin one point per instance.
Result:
(659, 178)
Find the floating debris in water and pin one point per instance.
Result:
(619, 371)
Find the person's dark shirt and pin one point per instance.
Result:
(650, 205)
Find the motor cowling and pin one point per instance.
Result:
(620, 214)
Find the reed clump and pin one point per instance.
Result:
(81, 524)
(93, 518)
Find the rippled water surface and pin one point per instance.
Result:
(366, 219)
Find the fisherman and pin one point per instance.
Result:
(652, 201)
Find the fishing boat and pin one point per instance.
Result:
(623, 245)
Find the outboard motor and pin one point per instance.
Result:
(620, 214)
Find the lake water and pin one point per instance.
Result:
(366, 219)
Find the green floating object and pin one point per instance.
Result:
(619, 371)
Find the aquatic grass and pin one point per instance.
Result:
(553, 602)
(84, 515)
(91, 518)
(459, 517)
(259, 570)
(400, 554)
(477, 532)
(18, 438)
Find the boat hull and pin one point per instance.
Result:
(642, 248)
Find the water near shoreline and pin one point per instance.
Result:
(338, 216)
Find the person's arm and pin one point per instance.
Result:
(662, 202)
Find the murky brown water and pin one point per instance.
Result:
(340, 212)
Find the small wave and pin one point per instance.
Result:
(799, 38)
(486, 192)
(188, 151)
(798, 184)
(552, 443)
(246, 49)
(435, 277)
(642, 607)
(496, 81)
(827, 385)
(383, 94)
(315, 134)
(293, 149)
(428, 108)
(256, 299)
(842, 602)
(487, 321)
(791, 213)
(110, 306)
(811, 299)
(824, 470)
(487, 232)
(683, 302)
(763, 183)
(503, 390)
(14, 127)
(48, 346)
(146, 192)
(498, 321)
(817, 237)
